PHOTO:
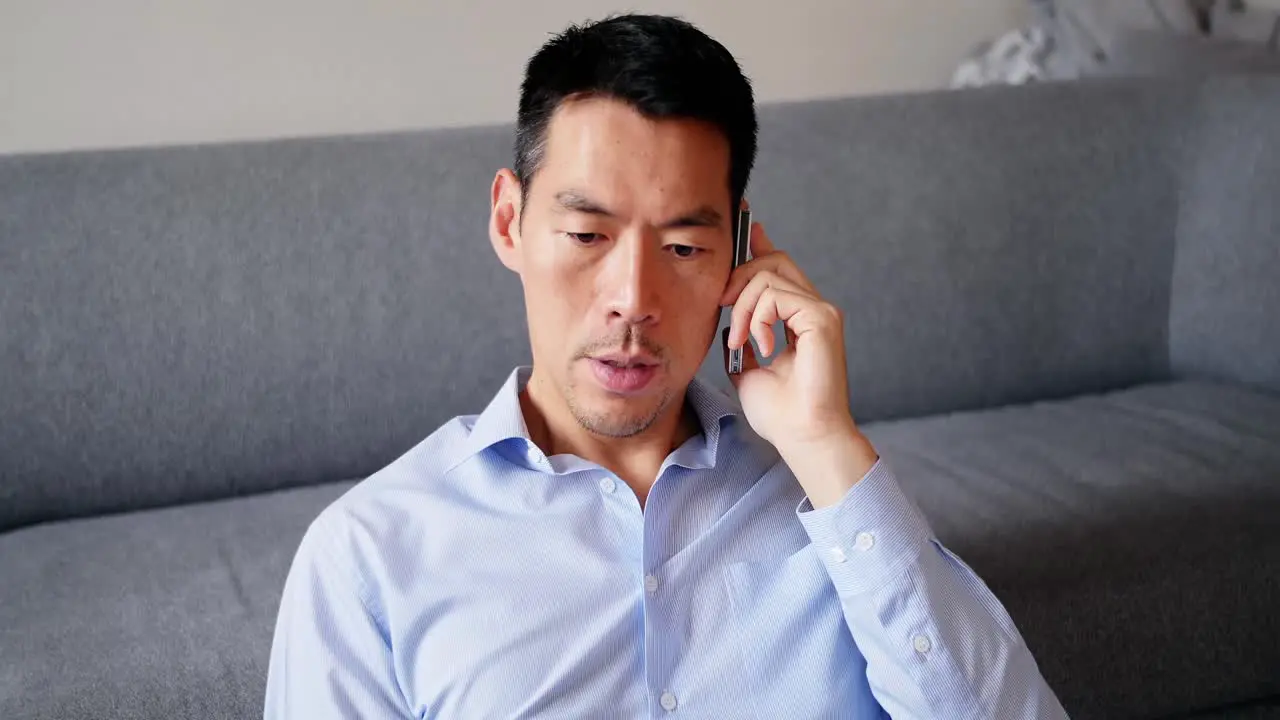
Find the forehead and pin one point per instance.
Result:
(605, 145)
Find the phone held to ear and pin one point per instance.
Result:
(741, 250)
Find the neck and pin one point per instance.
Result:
(635, 459)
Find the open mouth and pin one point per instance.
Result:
(626, 364)
(624, 375)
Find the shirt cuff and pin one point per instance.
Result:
(873, 534)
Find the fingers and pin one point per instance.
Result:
(768, 268)
(742, 320)
(760, 243)
(749, 360)
(757, 312)
(768, 310)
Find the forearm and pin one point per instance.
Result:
(937, 641)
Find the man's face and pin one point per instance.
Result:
(624, 250)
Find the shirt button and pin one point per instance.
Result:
(837, 554)
(650, 583)
(922, 644)
(607, 484)
(668, 701)
(864, 541)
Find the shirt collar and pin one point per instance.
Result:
(503, 420)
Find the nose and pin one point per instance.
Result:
(632, 284)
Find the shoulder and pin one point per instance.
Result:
(398, 505)
(422, 470)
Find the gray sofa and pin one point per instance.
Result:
(1063, 308)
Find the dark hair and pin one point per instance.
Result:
(664, 67)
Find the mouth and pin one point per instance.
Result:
(624, 374)
(623, 361)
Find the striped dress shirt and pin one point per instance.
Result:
(475, 577)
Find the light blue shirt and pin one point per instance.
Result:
(475, 577)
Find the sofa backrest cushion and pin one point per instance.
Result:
(190, 323)
(1225, 316)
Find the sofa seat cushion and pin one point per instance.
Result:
(157, 614)
(1134, 536)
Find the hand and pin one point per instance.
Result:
(800, 402)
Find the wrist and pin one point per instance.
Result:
(828, 468)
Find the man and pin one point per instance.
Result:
(610, 537)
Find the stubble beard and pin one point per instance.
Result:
(611, 425)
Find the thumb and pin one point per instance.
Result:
(749, 361)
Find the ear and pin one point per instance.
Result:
(504, 218)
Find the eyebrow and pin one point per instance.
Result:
(575, 201)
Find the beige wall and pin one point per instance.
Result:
(142, 72)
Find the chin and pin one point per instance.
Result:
(616, 424)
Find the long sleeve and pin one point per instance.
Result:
(330, 656)
(937, 641)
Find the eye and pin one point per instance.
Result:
(585, 238)
(684, 251)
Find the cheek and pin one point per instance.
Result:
(699, 304)
(555, 291)
(712, 284)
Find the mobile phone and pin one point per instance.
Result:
(741, 251)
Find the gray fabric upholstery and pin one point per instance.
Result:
(1225, 319)
(158, 614)
(1131, 535)
(195, 323)
(1260, 710)
(1267, 709)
